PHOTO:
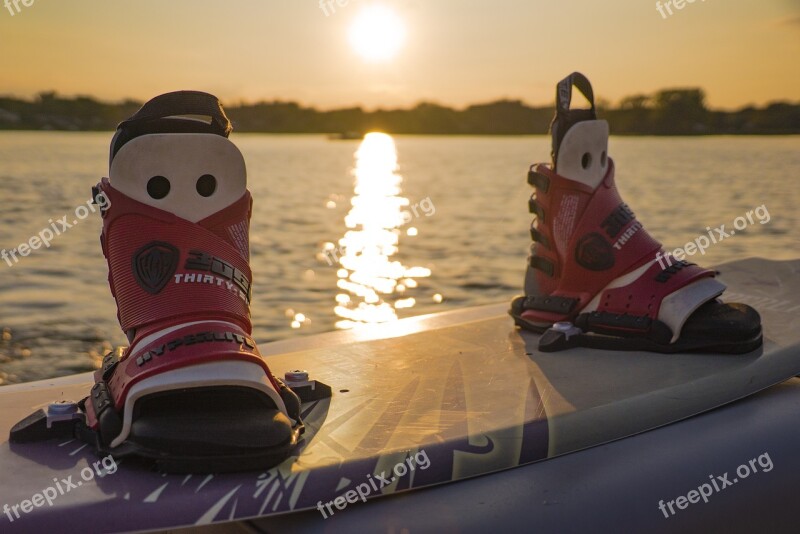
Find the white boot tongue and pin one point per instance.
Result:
(189, 174)
(583, 153)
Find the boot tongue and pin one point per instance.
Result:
(580, 141)
(583, 154)
(174, 154)
(189, 175)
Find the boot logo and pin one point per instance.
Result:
(617, 220)
(593, 252)
(154, 264)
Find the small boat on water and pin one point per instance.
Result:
(346, 136)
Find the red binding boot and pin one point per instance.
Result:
(595, 277)
(192, 391)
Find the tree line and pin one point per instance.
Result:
(666, 112)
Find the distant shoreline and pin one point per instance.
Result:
(327, 134)
(670, 112)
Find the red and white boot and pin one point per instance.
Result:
(192, 391)
(595, 277)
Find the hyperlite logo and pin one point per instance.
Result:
(194, 339)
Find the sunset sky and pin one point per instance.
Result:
(454, 52)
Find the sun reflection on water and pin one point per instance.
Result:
(372, 284)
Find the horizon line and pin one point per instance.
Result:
(234, 103)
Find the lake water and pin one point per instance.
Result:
(462, 240)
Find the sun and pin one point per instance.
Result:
(377, 34)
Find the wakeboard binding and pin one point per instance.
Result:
(595, 278)
(191, 392)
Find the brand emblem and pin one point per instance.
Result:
(154, 264)
(594, 253)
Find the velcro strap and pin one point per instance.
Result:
(542, 264)
(535, 208)
(551, 304)
(538, 180)
(665, 275)
(539, 237)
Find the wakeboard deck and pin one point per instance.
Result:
(453, 395)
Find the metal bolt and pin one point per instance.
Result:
(298, 375)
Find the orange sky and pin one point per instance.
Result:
(456, 52)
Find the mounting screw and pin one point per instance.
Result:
(298, 375)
